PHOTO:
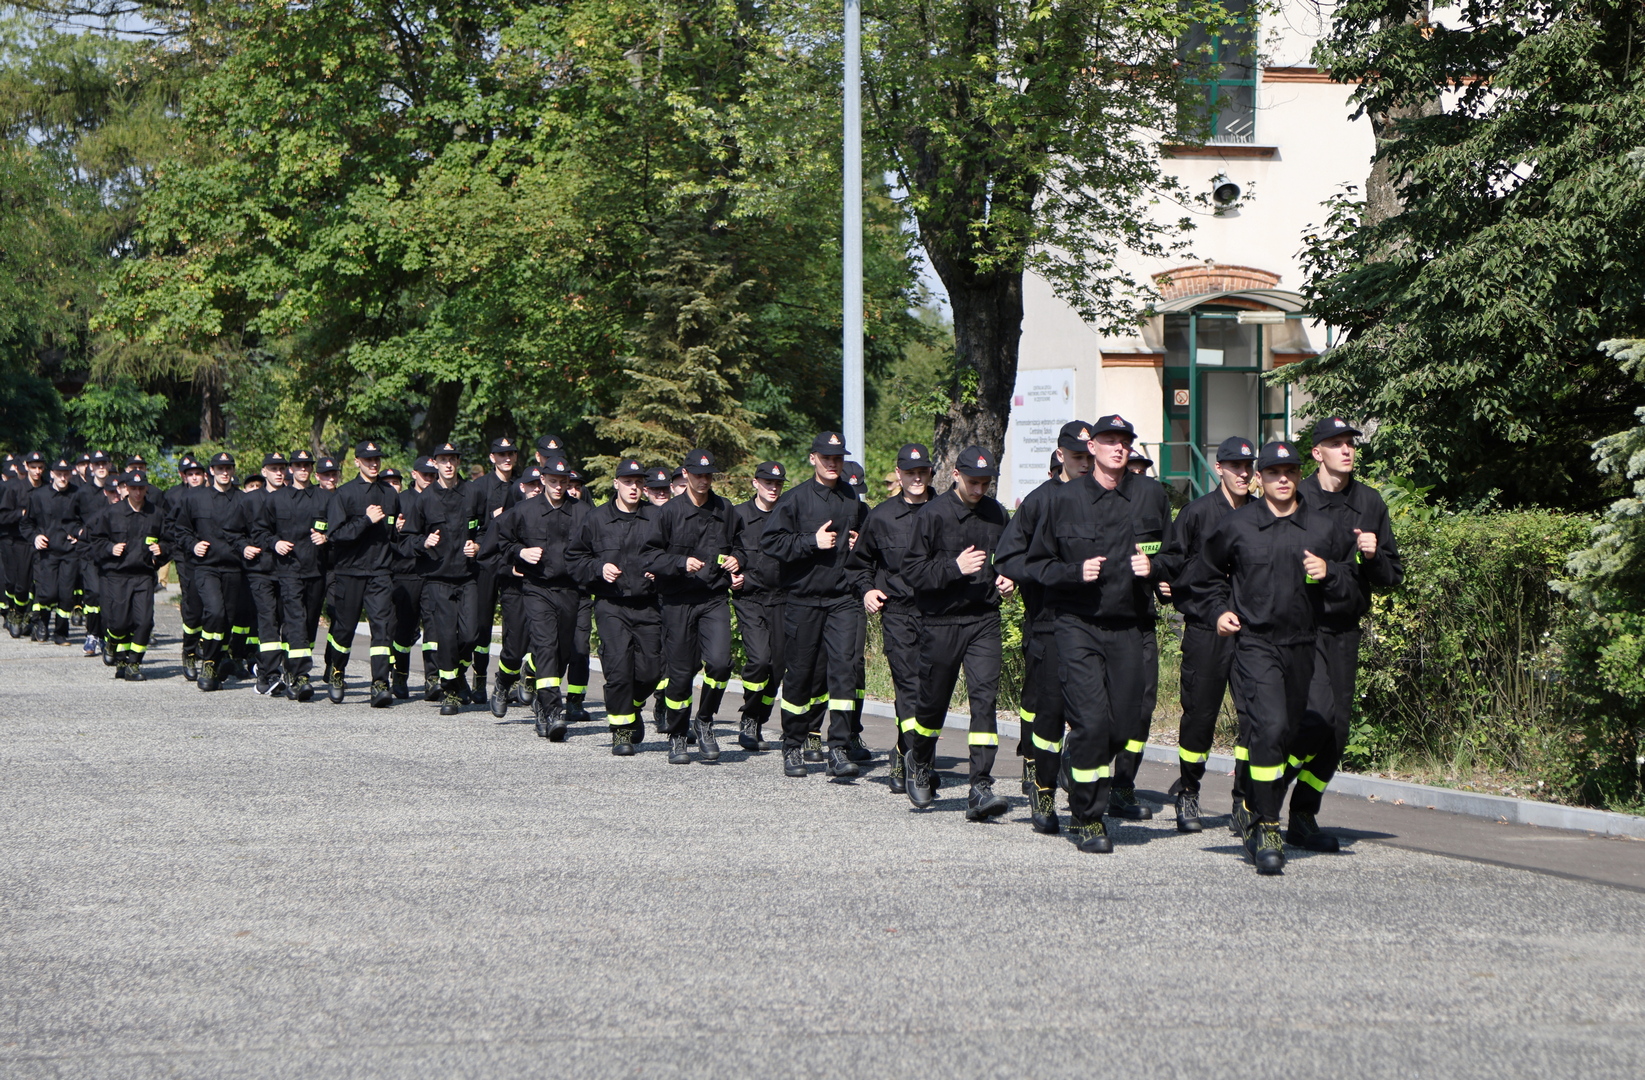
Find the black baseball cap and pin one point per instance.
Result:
(368, 449)
(853, 475)
(700, 463)
(1236, 448)
(85, 458)
(1056, 463)
(445, 449)
(975, 461)
(327, 464)
(390, 473)
(1331, 427)
(34, 457)
(1137, 457)
(222, 459)
(133, 478)
(549, 443)
(1074, 436)
(770, 470)
(630, 467)
(829, 443)
(504, 445)
(136, 461)
(657, 478)
(275, 460)
(1278, 453)
(61, 465)
(914, 456)
(1113, 422)
(98, 458)
(531, 475)
(556, 465)
(425, 465)
(188, 463)
(302, 457)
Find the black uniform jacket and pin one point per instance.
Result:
(762, 574)
(120, 524)
(214, 516)
(88, 500)
(1359, 507)
(811, 575)
(361, 547)
(248, 532)
(608, 535)
(539, 523)
(456, 514)
(1011, 557)
(1083, 520)
(1193, 524)
(876, 561)
(54, 515)
(496, 496)
(290, 515)
(685, 530)
(1251, 564)
(14, 507)
(941, 531)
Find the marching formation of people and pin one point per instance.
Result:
(1270, 572)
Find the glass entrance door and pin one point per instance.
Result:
(1213, 390)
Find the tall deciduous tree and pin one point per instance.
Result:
(1470, 318)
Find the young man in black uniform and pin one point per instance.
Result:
(125, 539)
(290, 524)
(1268, 574)
(1207, 657)
(16, 541)
(95, 492)
(609, 557)
(758, 600)
(206, 523)
(659, 488)
(1086, 553)
(441, 526)
(533, 538)
(511, 653)
(810, 534)
(876, 562)
(262, 580)
(950, 566)
(498, 492)
(407, 594)
(192, 476)
(360, 528)
(54, 525)
(689, 551)
(1334, 492)
(577, 667)
(1040, 701)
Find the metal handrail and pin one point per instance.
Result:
(1199, 474)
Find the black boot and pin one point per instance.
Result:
(623, 739)
(857, 750)
(110, 657)
(1267, 850)
(840, 763)
(899, 786)
(575, 710)
(748, 734)
(432, 690)
(1030, 777)
(1043, 812)
(1122, 803)
(1188, 812)
(794, 762)
(707, 744)
(550, 715)
(920, 788)
(1304, 832)
(300, 688)
(1239, 820)
(813, 748)
(37, 629)
(381, 696)
(452, 705)
(982, 803)
(191, 665)
(1092, 839)
(334, 686)
(677, 752)
(397, 685)
(120, 670)
(499, 697)
(208, 676)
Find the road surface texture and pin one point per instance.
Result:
(223, 885)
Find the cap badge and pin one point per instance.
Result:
(1117, 421)
(1281, 452)
(505, 444)
(702, 461)
(777, 470)
(833, 440)
(1084, 434)
(1244, 449)
(1340, 423)
(982, 463)
(915, 454)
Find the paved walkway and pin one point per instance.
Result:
(230, 886)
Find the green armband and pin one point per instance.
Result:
(1150, 548)
(720, 559)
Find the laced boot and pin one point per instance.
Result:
(1239, 821)
(1043, 812)
(381, 696)
(748, 734)
(134, 671)
(1188, 812)
(451, 704)
(982, 803)
(1092, 839)
(575, 710)
(191, 665)
(334, 685)
(813, 747)
(398, 685)
(840, 763)
(1030, 777)
(551, 713)
(622, 741)
(501, 691)
(120, 670)
(1122, 803)
(857, 750)
(920, 788)
(707, 744)
(208, 676)
(299, 688)
(794, 762)
(1303, 831)
(899, 783)
(677, 752)
(1267, 850)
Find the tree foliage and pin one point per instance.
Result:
(1470, 318)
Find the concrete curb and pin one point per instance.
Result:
(1492, 807)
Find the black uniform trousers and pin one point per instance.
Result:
(947, 645)
(54, 584)
(1271, 693)
(1101, 672)
(695, 634)
(350, 595)
(1134, 739)
(577, 667)
(220, 588)
(91, 603)
(631, 652)
(760, 625)
(488, 590)
(1207, 658)
(128, 614)
(819, 667)
(448, 613)
(510, 657)
(189, 606)
(407, 596)
(900, 637)
(1324, 733)
(300, 600)
(269, 604)
(1042, 692)
(18, 555)
(551, 623)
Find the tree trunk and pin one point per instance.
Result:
(316, 434)
(987, 334)
(443, 399)
(208, 379)
(1382, 187)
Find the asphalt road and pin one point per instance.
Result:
(223, 885)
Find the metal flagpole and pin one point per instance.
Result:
(852, 411)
